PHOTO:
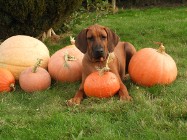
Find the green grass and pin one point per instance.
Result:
(158, 112)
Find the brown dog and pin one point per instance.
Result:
(96, 42)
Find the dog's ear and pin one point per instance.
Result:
(113, 39)
(81, 41)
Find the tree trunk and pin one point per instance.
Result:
(114, 6)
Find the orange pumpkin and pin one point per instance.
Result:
(7, 80)
(101, 85)
(150, 66)
(65, 65)
(34, 79)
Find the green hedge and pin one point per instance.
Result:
(32, 17)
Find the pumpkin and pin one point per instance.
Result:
(65, 65)
(34, 78)
(150, 66)
(20, 51)
(7, 80)
(101, 85)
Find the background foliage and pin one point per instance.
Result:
(32, 17)
(141, 3)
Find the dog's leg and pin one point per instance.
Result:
(130, 51)
(76, 100)
(123, 93)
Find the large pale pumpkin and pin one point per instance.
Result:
(20, 51)
(150, 66)
(65, 65)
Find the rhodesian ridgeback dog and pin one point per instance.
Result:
(97, 42)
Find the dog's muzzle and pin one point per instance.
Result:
(98, 52)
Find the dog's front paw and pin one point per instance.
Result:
(73, 101)
(125, 98)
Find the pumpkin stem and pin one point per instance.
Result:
(12, 86)
(72, 40)
(67, 58)
(161, 48)
(106, 68)
(36, 65)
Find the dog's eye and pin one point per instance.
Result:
(103, 37)
(90, 38)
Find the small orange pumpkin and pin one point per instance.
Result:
(101, 85)
(7, 80)
(65, 65)
(150, 66)
(34, 78)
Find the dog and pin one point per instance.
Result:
(97, 42)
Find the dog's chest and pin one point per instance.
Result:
(106, 64)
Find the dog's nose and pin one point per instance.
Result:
(98, 52)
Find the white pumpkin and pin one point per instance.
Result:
(21, 51)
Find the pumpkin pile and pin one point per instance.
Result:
(150, 66)
(18, 55)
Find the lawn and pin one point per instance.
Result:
(158, 112)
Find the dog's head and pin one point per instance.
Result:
(97, 41)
